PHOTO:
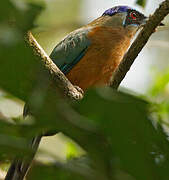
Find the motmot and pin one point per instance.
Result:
(89, 55)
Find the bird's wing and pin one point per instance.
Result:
(70, 50)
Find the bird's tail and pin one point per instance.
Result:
(19, 167)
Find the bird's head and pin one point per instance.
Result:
(125, 16)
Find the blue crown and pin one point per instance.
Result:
(116, 9)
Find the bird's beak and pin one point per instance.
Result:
(144, 21)
(161, 24)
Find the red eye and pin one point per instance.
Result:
(133, 15)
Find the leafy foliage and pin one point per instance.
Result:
(141, 2)
(115, 129)
(126, 117)
(11, 141)
(159, 93)
(72, 170)
(19, 66)
(160, 84)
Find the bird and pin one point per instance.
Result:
(89, 55)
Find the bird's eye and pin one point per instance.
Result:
(133, 15)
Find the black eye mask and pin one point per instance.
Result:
(134, 17)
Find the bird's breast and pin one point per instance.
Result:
(108, 46)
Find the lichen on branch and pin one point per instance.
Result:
(58, 78)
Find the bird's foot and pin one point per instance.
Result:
(79, 90)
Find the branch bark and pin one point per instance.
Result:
(139, 43)
(59, 79)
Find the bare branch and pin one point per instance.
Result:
(139, 43)
(19, 167)
(57, 76)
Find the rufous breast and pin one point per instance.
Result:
(108, 46)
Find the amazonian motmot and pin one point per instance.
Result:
(88, 56)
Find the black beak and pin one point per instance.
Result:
(161, 24)
(146, 19)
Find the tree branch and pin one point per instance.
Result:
(59, 79)
(139, 43)
(19, 168)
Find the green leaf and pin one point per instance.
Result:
(72, 150)
(160, 83)
(11, 141)
(141, 2)
(125, 121)
(114, 128)
(19, 67)
(68, 171)
(159, 92)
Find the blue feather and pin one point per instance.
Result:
(116, 9)
(67, 67)
(71, 50)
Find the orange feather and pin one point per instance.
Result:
(102, 57)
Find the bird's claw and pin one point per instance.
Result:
(79, 89)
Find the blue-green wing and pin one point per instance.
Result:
(70, 50)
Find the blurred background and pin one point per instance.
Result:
(149, 76)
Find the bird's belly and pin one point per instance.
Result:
(101, 59)
(94, 69)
